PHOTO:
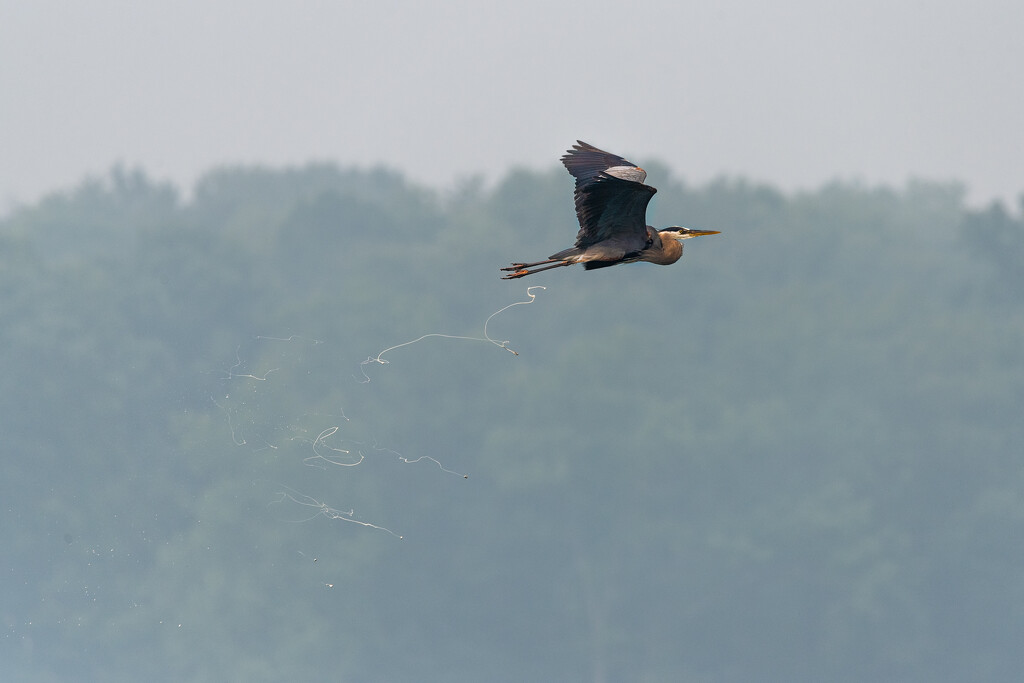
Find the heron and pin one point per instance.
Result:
(611, 204)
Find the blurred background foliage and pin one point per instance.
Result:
(796, 455)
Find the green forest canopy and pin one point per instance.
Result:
(794, 455)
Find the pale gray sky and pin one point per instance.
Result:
(791, 92)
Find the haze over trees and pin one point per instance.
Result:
(794, 455)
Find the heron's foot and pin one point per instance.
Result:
(515, 266)
(513, 276)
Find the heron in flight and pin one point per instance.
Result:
(611, 204)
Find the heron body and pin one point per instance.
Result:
(611, 205)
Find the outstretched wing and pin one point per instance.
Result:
(611, 197)
(586, 162)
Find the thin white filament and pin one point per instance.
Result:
(322, 509)
(486, 338)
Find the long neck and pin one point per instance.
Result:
(670, 251)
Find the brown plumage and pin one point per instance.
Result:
(611, 205)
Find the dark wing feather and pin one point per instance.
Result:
(610, 208)
(585, 162)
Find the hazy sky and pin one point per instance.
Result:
(792, 92)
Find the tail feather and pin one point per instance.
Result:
(567, 254)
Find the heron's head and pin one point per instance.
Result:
(681, 233)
